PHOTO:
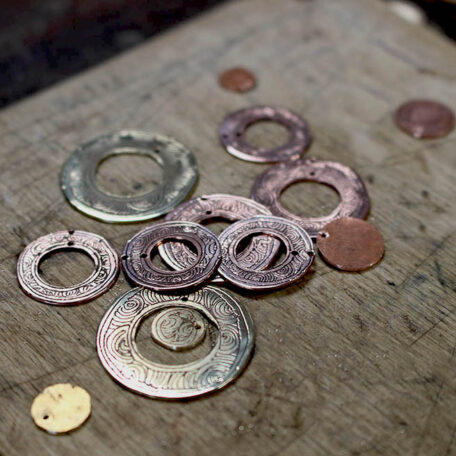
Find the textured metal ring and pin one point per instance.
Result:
(299, 253)
(79, 172)
(137, 262)
(234, 126)
(257, 255)
(120, 356)
(100, 251)
(353, 193)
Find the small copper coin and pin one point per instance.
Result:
(237, 80)
(299, 253)
(257, 255)
(61, 408)
(425, 119)
(234, 126)
(137, 261)
(100, 251)
(350, 244)
(353, 193)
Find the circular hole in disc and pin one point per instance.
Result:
(266, 134)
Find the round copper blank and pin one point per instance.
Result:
(350, 244)
(299, 253)
(237, 80)
(425, 119)
(137, 261)
(352, 191)
(234, 126)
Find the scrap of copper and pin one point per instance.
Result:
(237, 79)
(425, 119)
(137, 256)
(232, 134)
(350, 244)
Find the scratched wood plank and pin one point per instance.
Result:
(345, 364)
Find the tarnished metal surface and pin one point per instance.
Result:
(178, 328)
(79, 185)
(258, 254)
(100, 251)
(350, 244)
(425, 119)
(120, 356)
(232, 134)
(299, 253)
(237, 80)
(353, 193)
(137, 262)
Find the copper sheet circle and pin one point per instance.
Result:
(353, 193)
(102, 278)
(237, 79)
(257, 255)
(234, 126)
(350, 244)
(425, 119)
(299, 253)
(137, 263)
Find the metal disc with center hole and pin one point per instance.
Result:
(353, 193)
(234, 126)
(79, 172)
(299, 253)
(178, 328)
(350, 244)
(61, 408)
(120, 356)
(237, 80)
(425, 119)
(137, 261)
(258, 254)
(99, 250)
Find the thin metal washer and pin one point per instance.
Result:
(100, 251)
(269, 185)
(119, 354)
(299, 253)
(78, 180)
(234, 126)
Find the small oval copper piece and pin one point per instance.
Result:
(237, 79)
(350, 244)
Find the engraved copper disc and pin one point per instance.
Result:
(299, 253)
(353, 193)
(234, 126)
(257, 255)
(100, 251)
(61, 408)
(237, 80)
(137, 262)
(350, 244)
(425, 119)
(78, 179)
(121, 358)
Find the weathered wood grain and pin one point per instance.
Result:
(345, 364)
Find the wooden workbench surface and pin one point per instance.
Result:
(345, 364)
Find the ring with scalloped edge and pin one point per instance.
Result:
(299, 253)
(100, 251)
(234, 126)
(120, 356)
(78, 179)
(137, 261)
(258, 254)
(352, 191)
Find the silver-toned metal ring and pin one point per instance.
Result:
(269, 185)
(100, 251)
(299, 253)
(119, 354)
(137, 262)
(234, 126)
(79, 185)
